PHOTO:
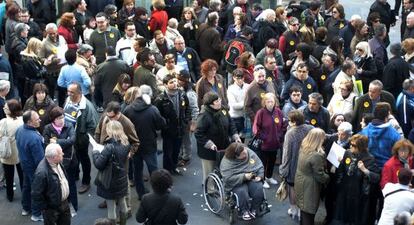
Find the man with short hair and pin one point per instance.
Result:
(271, 48)
(209, 39)
(72, 72)
(107, 74)
(315, 114)
(187, 58)
(103, 37)
(295, 100)
(86, 59)
(124, 47)
(81, 14)
(81, 113)
(327, 75)
(144, 73)
(256, 92)
(409, 30)
(314, 11)
(160, 46)
(34, 30)
(405, 107)
(396, 70)
(30, 145)
(273, 74)
(378, 47)
(367, 102)
(50, 188)
(301, 79)
(348, 72)
(174, 107)
(347, 33)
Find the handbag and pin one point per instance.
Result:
(104, 177)
(255, 143)
(281, 193)
(5, 147)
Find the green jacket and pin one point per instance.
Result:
(142, 75)
(101, 40)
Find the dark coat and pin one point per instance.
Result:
(81, 21)
(98, 6)
(123, 15)
(405, 107)
(355, 189)
(46, 187)
(43, 12)
(404, 24)
(334, 26)
(101, 40)
(193, 61)
(106, 78)
(209, 41)
(318, 49)
(34, 30)
(386, 14)
(174, 8)
(142, 29)
(213, 126)
(117, 154)
(203, 86)
(408, 33)
(189, 34)
(147, 120)
(308, 86)
(347, 34)
(65, 139)
(31, 147)
(395, 72)
(167, 206)
(267, 31)
(17, 46)
(42, 109)
(176, 121)
(6, 70)
(369, 71)
(379, 51)
(319, 119)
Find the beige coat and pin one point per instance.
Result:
(12, 125)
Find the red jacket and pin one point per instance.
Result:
(69, 36)
(158, 21)
(391, 169)
(270, 127)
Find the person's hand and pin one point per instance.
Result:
(257, 179)
(193, 126)
(362, 167)
(359, 70)
(93, 59)
(238, 140)
(340, 159)
(248, 176)
(213, 147)
(131, 17)
(53, 140)
(289, 62)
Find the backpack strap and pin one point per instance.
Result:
(393, 192)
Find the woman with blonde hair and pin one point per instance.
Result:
(270, 127)
(408, 47)
(310, 175)
(365, 63)
(67, 30)
(115, 154)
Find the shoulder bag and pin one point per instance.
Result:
(5, 147)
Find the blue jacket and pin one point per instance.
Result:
(405, 108)
(30, 145)
(308, 86)
(72, 73)
(381, 138)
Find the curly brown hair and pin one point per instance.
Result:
(207, 65)
(66, 19)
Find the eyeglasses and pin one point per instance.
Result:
(360, 49)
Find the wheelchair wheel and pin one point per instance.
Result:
(214, 193)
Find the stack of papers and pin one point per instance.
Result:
(95, 146)
(336, 152)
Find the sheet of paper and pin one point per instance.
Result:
(335, 153)
(95, 146)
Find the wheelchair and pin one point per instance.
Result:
(217, 200)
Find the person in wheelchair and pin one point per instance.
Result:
(243, 173)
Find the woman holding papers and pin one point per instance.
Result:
(355, 176)
(114, 154)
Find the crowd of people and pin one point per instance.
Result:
(291, 83)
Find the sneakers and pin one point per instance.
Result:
(25, 213)
(253, 213)
(271, 181)
(183, 162)
(246, 216)
(36, 218)
(266, 185)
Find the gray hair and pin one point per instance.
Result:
(377, 83)
(318, 97)
(52, 150)
(345, 127)
(380, 30)
(402, 218)
(410, 15)
(51, 26)
(355, 17)
(406, 85)
(4, 85)
(173, 23)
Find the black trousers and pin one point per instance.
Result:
(306, 218)
(9, 175)
(58, 216)
(84, 160)
(171, 147)
(268, 159)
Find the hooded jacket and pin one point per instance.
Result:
(405, 107)
(147, 120)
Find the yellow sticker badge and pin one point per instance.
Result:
(111, 35)
(292, 43)
(41, 112)
(366, 104)
(277, 120)
(269, 79)
(219, 86)
(252, 161)
(189, 56)
(149, 28)
(398, 172)
(347, 161)
(183, 103)
(341, 25)
(323, 77)
(309, 86)
(54, 50)
(73, 114)
(196, 26)
(262, 95)
(224, 112)
(313, 121)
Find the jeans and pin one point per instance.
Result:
(268, 159)
(112, 207)
(186, 147)
(239, 124)
(27, 203)
(9, 175)
(250, 189)
(59, 216)
(152, 165)
(171, 147)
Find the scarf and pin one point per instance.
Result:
(57, 128)
(404, 162)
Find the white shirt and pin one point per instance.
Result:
(236, 96)
(124, 49)
(395, 203)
